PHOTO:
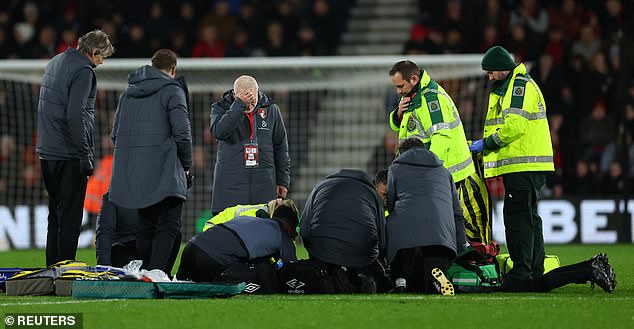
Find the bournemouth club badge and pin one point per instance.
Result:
(262, 112)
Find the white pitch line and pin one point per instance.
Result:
(60, 303)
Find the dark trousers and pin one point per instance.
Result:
(66, 188)
(524, 233)
(159, 226)
(123, 253)
(579, 273)
(198, 266)
(415, 265)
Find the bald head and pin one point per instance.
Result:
(245, 83)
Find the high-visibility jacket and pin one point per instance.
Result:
(98, 184)
(516, 133)
(235, 211)
(433, 117)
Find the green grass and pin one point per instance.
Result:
(573, 306)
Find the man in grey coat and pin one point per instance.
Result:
(343, 223)
(152, 156)
(65, 120)
(426, 229)
(252, 164)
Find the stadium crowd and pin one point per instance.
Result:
(575, 47)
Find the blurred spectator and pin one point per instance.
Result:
(517, 43)
(490, 38)
(534, 18)
(69, 39)
(136, 45)
(286, 16)
(179, 42)
(419, 42)
(588, 43)
(208, 44)
(596, 82)
(557, 46)
(596, 132)
(326, 33)
(306, 41)
(570, 16)
(251, 22)
(276, 45)
(5, 45)
(496, 17)
(158, 26)
(240, 45)
(613, 182)
(550, 79)
(222, 20)
(44, 47)
(584, 183)
(187, 23)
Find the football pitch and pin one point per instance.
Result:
(572, 306)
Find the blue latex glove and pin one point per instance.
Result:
(477, 146)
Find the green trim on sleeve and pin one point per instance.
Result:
(433, 105)
(519, 90)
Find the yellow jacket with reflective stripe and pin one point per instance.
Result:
(517, 128)
(433, 117)
(233, 212)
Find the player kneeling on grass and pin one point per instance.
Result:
(425, 229)
(241, 239)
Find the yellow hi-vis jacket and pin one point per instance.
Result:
(233, 212)
(516, 134)
(433, 117)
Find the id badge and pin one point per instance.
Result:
(251, 155)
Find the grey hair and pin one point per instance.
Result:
(245, 82)
(96, 39)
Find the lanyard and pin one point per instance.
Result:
(251, 125)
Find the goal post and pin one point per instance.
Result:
(335, 110)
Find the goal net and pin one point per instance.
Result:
(335, 109)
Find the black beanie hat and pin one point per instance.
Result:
(497, 59)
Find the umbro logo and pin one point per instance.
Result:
(251, 288)
(295, 284)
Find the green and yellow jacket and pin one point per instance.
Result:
(433, 117)
(516, 133)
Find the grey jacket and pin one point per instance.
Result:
(66, 108)
(233, 183)
(423, 204)
(152, 141)
(343, 221)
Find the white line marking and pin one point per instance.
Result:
(59, 303)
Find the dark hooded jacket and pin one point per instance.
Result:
(233, 182)
(423, 204)
(343, 222)
(152, 141)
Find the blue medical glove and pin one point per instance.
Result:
(477, 146)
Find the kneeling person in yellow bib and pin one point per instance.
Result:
(426, 111)
(263, 210)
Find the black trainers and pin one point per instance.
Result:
(601, 278)
(442, 284)
(601, 260)
(367, 284)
